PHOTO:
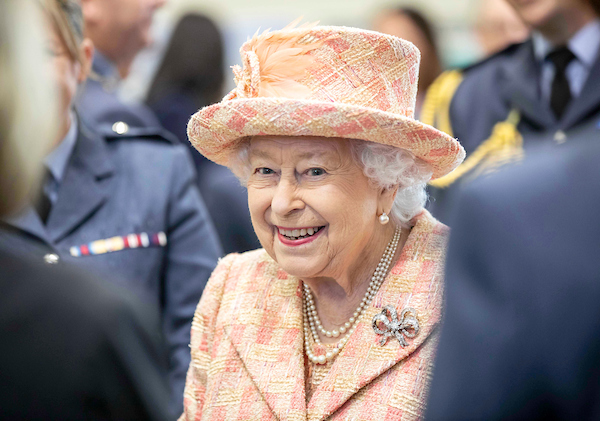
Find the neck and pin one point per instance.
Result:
(561, 29)
(337, 299)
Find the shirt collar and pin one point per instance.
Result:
(103, 66)
(57, 160)
(584, 44)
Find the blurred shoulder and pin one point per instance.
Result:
(490, 66)
(145, 147)
(545, 176)
(123, 134)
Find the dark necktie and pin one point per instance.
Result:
(42, 202)
(561, 92)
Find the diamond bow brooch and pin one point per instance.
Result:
(407, 325)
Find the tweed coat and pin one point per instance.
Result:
(248, 359)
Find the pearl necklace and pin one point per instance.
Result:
(312, 323)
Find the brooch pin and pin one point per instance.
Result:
(408, 324)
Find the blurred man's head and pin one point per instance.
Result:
(498, 26)
(120, 28)
(557, 20)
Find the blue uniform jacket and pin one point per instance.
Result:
(521, 334)
(510, 81)
(116, 185)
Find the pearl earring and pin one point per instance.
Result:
(384, 219)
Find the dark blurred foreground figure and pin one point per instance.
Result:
(71, 348)
(543, 91)
(410, 24)
(189, 78)
(119, 29)
(122, 205)
(521, 336)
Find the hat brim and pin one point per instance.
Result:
(215, 130)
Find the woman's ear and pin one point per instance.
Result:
(386, 199)
(87, 55)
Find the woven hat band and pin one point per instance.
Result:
(338, 65)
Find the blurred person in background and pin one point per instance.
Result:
(497, 26)
(543, 91)
(410, 24)
(191, 77)
(521, 331)
(123, 205)
(71, 347)
(119, 29)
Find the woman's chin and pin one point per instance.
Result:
(298, 267)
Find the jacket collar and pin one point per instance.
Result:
(268, 326)
(106, 71)
(520, 87)
(82, 191)
(85, 186)
(519, 81)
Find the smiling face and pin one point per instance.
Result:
(313, 209)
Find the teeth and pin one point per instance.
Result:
(295, 234)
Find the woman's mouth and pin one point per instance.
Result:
(298, 236)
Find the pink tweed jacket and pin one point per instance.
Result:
(247, 343)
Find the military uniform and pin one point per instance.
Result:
(497, 112)
(128, 206)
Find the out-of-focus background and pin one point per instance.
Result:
(463, 28)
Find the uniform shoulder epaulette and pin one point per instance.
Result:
(122, 131)
(436, 106)
(504, 143)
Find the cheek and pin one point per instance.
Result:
(259, 201)
(66, 80)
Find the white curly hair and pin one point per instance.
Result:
(385, 166)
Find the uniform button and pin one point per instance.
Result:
(560, 137)
(51, 258)
(120, 127)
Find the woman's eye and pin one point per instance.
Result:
(264, 171)
(315, 172)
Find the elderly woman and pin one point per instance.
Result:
(336, 316)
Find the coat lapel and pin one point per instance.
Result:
(587, 102)
(520, 88)
(85, 187)
(415, 281)
(266, 332)
(29, 222)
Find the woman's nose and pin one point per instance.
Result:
(286, 199)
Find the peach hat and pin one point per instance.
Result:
(329, 82)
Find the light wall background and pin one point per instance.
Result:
(240, 19)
